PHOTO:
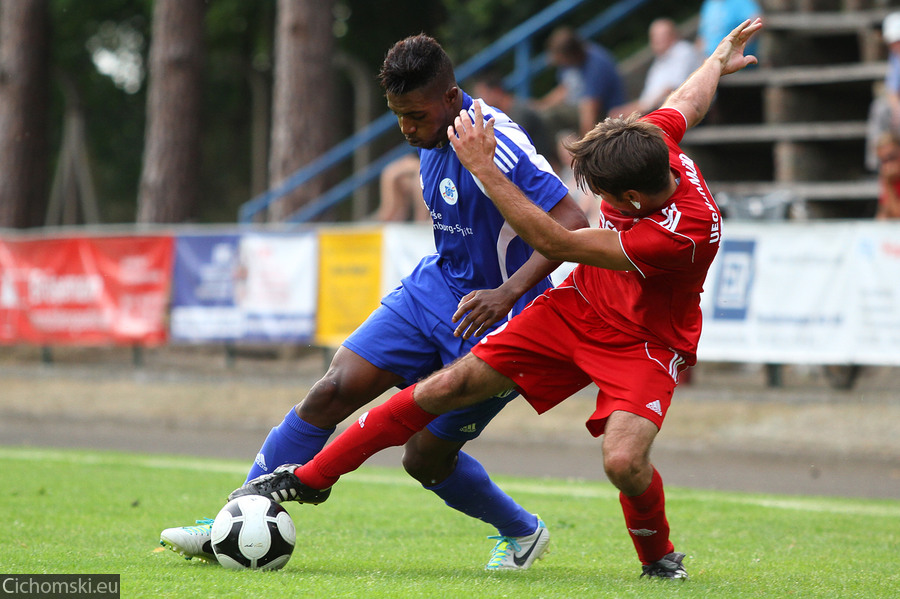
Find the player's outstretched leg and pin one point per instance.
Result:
(282, 485)
(518, 553)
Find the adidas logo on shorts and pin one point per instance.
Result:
(469, 428)
(655, 406)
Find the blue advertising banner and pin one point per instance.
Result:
(247, 287)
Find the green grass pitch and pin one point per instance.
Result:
(380, 535)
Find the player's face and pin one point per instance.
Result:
(424, 115)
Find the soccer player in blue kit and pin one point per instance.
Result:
(481, 275)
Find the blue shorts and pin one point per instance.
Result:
(401, 338)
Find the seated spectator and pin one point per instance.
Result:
(589, 83)
(719, 17)
(490, 88)
(884, 113)
(675, 59)
(888, 152)
(401, 192)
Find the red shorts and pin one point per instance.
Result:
(558, 345)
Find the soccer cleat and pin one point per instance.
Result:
(190, 541)
(518, 553)
(282, 485)
(668, 567)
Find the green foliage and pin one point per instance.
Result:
(373, 27)
(381, 535)
(240, 38)
(115, 118)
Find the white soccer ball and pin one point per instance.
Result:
(253, 533)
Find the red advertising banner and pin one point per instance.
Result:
(86, 291)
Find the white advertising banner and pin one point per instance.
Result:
(405, 244)
(251, 287)
(804, 293)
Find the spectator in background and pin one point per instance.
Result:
(589, 83)
(401, 192)
(675, 59)
(884, 114)
(586, 201)
(490, 88)
(719, 17)
(888, 152)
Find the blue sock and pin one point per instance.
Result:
(470, 490)
(294, 441)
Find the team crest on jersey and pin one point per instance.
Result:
(673, 216)
(448, 191)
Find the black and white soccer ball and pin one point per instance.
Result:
(253, 533)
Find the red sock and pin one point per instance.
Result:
(645, 517)
(391, 423)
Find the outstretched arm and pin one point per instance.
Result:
(695, 95)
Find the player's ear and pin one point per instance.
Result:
(634, 198)
(450, 95)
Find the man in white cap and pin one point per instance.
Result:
(884, 114)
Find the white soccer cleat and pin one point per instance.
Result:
(190, 541)
(518, 553)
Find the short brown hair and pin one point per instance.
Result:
(621, 154)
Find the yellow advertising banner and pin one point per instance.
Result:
(349, 281)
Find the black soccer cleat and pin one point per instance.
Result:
(668, 567)
(282, 485)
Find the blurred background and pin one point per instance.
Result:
(205, 178)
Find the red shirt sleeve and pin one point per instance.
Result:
(655, 249)
(670, 121)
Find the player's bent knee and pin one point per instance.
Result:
(622, 467)
(328, 403)
(427, 469)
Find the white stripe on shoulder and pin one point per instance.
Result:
(629, 257)
(682, 115)
(503, 155)
(512, 141)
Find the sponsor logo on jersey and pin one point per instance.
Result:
(448, 191)
(673, 217)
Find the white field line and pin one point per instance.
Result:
(549, 487)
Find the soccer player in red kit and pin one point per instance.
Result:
(627, 318)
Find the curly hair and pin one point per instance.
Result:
(414, 63)
(621, 154)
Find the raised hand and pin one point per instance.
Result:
(474, 142)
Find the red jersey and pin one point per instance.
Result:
(671, 250)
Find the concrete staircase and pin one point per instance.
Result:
(795, 126)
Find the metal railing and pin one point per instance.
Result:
(518, 40)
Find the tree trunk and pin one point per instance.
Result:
(170, 180)
(304, 110)
(24, 101)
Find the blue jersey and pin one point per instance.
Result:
(476, 248)
(411, 333)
